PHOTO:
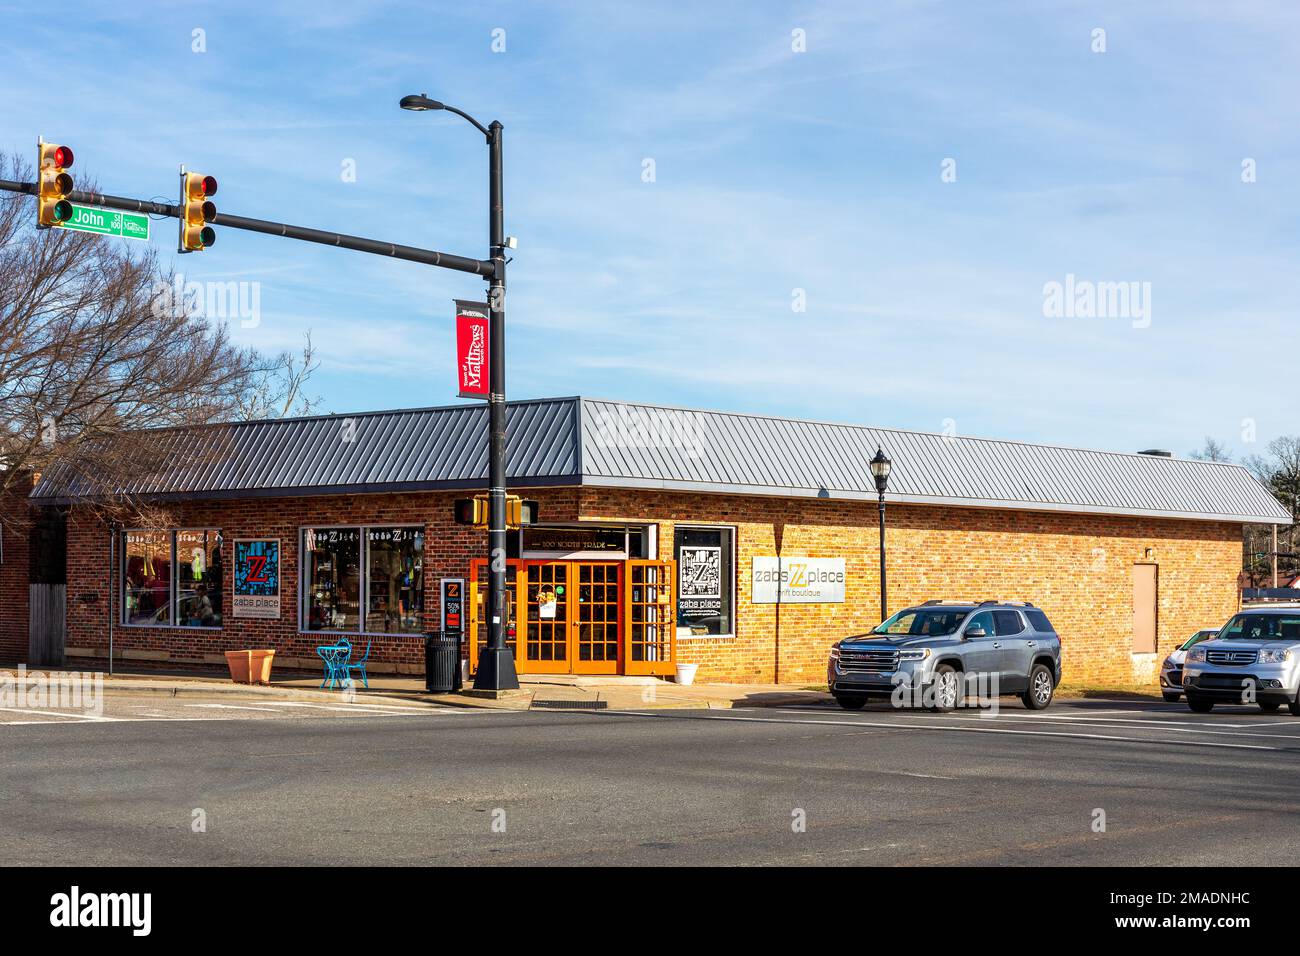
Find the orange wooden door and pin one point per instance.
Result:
(547, 618)
(596, 615)
(651, 616)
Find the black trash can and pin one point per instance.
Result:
(441, 662)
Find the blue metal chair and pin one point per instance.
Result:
(359, 665)
(335, 657)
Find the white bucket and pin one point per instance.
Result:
(686, 673)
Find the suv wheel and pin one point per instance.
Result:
(1041, 688)
(1171, 698)
(1200, 705)
(1293, 705)
(1269, 706)
(850, 703)
(946, 689)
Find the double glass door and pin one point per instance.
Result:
(582, 617)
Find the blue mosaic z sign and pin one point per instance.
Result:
(257, 578)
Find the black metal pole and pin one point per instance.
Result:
(375, 247)
(884, 593)
(496, 665)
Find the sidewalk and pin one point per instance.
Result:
(550, 691)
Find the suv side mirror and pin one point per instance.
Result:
(977, 632)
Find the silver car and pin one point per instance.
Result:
(1254, 659)
(1171, 671)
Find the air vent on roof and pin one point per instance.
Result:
(1158, 452)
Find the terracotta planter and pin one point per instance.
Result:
(250, 667)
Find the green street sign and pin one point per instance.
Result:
(108, 222)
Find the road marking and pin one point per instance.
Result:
(374, 709)
(265, 710)
(932, 726)
(59, 713)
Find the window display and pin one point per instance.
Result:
(395, 580)
(331, 561)
(147, 588)
(198, 579)
(706, 582)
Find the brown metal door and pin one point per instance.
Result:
(1145, 616)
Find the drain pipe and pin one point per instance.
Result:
(112, 563)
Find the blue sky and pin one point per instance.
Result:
(775, 170)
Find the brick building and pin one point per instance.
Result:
(658, 541)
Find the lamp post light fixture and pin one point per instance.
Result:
(496, 664)
(880, 466)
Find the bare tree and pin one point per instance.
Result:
(94, 349)
(1278, 470)
(1212, 450)
(279, 389)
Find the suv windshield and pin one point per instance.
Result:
(1262, 627)
(1197, 638)
(924, 621)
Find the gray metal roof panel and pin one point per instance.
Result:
(757, 454)
(571, 440)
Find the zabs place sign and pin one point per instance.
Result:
(802, 580)
(108, 222)
(257, 578)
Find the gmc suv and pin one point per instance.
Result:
(940, 646)
(1255, 658)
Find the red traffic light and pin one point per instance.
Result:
(209, 185)
(63, 157)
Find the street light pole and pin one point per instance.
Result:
(880, 466)
(496, 664)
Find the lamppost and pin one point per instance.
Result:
(880, 466)
(496, 665)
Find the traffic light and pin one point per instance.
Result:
(54, 185)
(472, 510)
(197, 210)
(520, 511)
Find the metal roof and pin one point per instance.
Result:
(626, 444)
(571, 441)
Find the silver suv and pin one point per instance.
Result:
(1255, 658)
(942, 647)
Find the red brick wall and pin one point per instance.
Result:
(448, 550)
(14, 573)
(1077, 567)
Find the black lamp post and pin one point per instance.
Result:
(496, 665)
(880, 466)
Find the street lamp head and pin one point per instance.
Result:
(419, 102)
(880, 466)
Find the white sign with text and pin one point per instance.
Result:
(803, 580)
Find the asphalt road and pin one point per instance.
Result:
(285, 784)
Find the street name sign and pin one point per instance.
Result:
(108, 222)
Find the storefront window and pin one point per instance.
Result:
(198, 578)
(147, 588)
(395, 580)
(706, 580)
(332, 579)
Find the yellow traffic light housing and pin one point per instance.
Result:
(197, 210)
(53, 184)
(476, 510)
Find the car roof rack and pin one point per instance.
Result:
(1011, 603)
(945, 601)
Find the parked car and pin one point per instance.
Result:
(1171, 671)
(936, 646)
(1254, 657)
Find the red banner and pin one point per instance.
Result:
(472, 349)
